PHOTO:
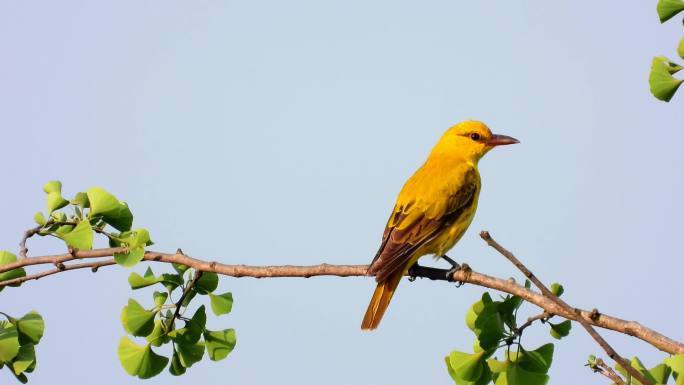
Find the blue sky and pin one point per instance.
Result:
(272, 132)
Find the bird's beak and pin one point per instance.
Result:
(500, 140)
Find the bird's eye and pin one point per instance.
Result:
(475, 136)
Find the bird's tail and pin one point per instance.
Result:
(380, 300)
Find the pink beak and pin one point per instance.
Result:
(500, 140)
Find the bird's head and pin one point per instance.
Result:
(471, 140)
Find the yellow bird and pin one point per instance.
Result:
(433, 209)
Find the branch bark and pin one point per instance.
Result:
(631, 328)
(23, 250)
(605, 370)
(548, 294)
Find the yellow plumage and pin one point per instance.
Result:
(433, 209)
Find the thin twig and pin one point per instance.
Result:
(631, 328)
(547, 293)
(179, 304)
(602, 368)
(23, 250)
(543, 316)
(94, 266)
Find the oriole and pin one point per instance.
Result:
(433, 209)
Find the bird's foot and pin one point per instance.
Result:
(412, 272)
(455, 267)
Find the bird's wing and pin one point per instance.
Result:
(414, 223)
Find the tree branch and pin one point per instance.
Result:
(631, 328)
(600, 367)
(547, 293)
(23, 250)
(94, 266)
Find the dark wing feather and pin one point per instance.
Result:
(406, 231)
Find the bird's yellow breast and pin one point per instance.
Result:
(448, 238)
(429, 191)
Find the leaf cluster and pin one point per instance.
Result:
(165, 323)
(661, 80)
(93, 211)
(76, 221)
(18, 338)
(495, 326)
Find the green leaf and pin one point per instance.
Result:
(104, 204)
(158, 337)
(663, 85)
(171, 281)
(467, 367)
(511, 303)
(638, 365)
(53, 186)
(660, 373)
(136, 238)
(680, 48)
(131, 258)
(30, 328)
(557, 289)
(180, 268)
(473, 312)
(63, 229)
(137, 281)
(452, 373)
(497, 366)
(190, 354)
(667, 9)
(192, 331)
(676, 364)
(9, 342)
(138, 321)
(222, 303)
(538, 360)
(39, 218)
(516, 375)
(81, 237)
(55, 201)
(476, 309)
(81, 199)
(484, 379)
(24, 359)
(160, 298)
(176, 368)
(5, 259)
(140, 361)
(219, 343)
(489, 328)
(207, 283)
(560, 330)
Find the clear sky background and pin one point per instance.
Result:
(280, 132)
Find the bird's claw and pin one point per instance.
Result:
(450, 274)
(412, 272)
(454, 268)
